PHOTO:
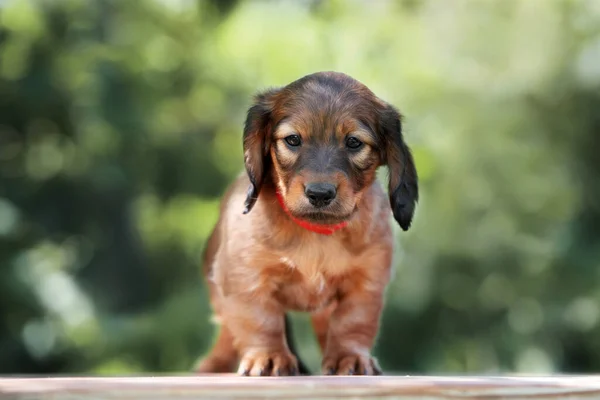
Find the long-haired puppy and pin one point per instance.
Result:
(308, 228)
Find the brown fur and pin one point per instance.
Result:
(259, 263)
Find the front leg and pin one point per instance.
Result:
(320, 322)
(353, 328)
(258, 329)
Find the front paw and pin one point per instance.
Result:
(350, 363)
(268, 363)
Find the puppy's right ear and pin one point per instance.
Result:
(256, 143)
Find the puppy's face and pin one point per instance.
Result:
(321, 139)
(322, 157)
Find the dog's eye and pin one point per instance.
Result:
(353, 143)
(293, 140)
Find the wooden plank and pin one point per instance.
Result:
(316, 387)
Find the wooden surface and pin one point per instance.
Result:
(317, 387)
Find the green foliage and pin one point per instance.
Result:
(120, 127)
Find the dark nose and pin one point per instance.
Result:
(320, 194)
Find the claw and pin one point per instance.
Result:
(267, 364)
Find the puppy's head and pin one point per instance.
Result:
(321, 139)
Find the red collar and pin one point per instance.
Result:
(323, 229)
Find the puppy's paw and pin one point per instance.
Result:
(350, 363)
(264, 363)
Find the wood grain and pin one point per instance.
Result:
(319, 387)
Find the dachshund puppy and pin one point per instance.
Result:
(308, 227)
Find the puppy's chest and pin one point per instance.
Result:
(312, 276)
(305, 293)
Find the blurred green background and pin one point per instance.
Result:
(120, 128)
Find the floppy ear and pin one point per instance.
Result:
(403, 180)
(256, 144)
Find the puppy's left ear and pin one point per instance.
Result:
(403, 179)
(256, 143)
